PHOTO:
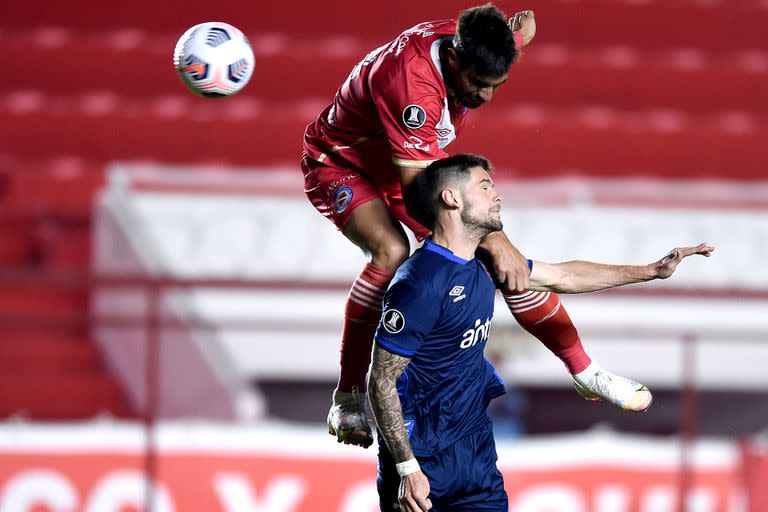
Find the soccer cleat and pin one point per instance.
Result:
(594, 383)
(348, 419)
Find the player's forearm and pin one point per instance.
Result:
(587, 276)
(385, 404)
(389, 418)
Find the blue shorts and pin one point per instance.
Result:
(461, 477)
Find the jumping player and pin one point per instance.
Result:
(429, 384)
(394, 115)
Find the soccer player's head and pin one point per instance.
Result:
(483, 50)
(459, 183)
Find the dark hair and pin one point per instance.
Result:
(484, 40)
(437, 176)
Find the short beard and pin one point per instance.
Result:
(478, 229)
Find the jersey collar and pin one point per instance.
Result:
(429, 245)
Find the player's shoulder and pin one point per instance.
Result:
(418, 40)
(419, 274)
(413, 269)
(412, 52)
(435, 265)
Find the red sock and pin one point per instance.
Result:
(360, 320)
(542, 314)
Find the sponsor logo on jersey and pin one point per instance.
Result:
(414, 116)
(456, 293)
(341, 198)
(415, 143)
(394, 321)
(479, 332)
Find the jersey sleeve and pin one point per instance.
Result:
(410, 312)
(410, 105)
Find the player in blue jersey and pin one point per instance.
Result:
(429, 384)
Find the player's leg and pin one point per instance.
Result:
(446, 471)
(478, 484)
(383, 240)
(544, 316)
(355, 206)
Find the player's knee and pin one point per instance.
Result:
(390, 254)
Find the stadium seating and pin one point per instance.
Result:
(606, 84)
(610, 89)
(49, 369)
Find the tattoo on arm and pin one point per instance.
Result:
(386, 367)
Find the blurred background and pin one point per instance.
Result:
(171, 304)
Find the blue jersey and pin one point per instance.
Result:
(438, 312)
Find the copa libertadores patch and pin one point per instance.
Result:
(414, 116)
(394, 321)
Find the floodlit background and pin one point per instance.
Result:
(171, 304)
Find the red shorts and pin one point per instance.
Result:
(336, 193)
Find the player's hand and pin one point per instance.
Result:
(525, 23)
(358, 436)
(666, 266)
(509, 266)
(414, 492)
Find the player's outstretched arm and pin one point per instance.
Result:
(386, 368)
(586, 276)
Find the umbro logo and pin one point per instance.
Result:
(457, 292)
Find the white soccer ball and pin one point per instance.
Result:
(214, 59)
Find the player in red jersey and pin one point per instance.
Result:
(394, 115)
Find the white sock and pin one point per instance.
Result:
(587, 373)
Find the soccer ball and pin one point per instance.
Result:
(214, 59)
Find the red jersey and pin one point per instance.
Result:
(392, 109)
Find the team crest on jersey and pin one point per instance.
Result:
(393, 321)
(341, 198)
(414, 116)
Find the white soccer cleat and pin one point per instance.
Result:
(348, 419)
(595, 383)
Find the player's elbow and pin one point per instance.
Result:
(569, 283)
(552, 278)
(373, 379)
(566, 287)
(377, 379)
